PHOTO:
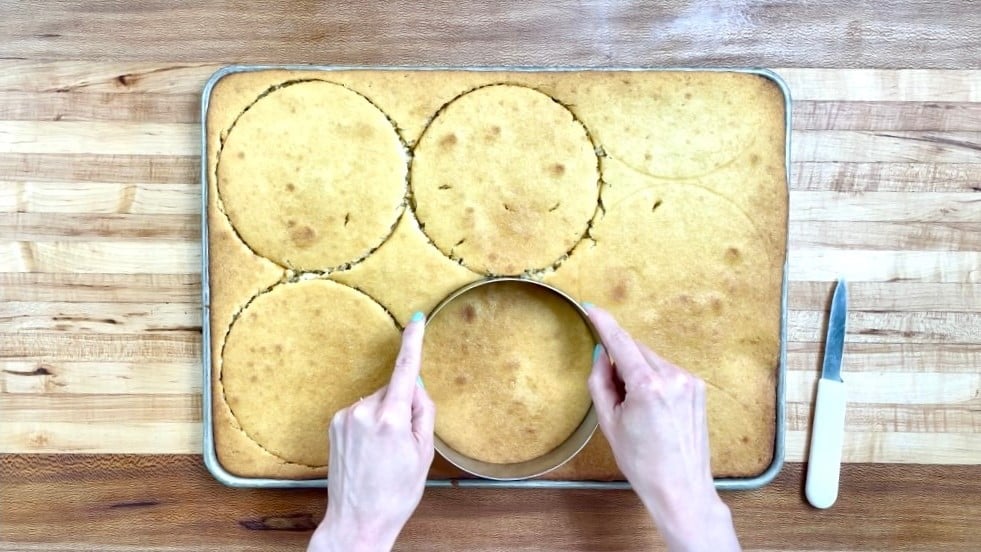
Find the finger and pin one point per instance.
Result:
(628, 361)
(423, 416)
(366, 410)
(375, 399)
(602, 386)
(701, 422)
(406, 373)
(659, 364)
(334, 450)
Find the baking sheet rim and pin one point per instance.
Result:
(208, 444)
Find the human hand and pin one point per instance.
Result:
(653, 415)
(380, 451)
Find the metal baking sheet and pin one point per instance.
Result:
(232, 480)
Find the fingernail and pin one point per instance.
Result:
(587, 305)
(419, 382)
(417, 316)
(597, 351)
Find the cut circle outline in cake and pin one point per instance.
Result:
(378, 329)
(497, 227)
(608, 166)
(317, 241)
(713, 119)
(676, 306)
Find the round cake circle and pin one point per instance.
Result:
(506, 365)
(298, 354)
(312, 176)
(505, 180)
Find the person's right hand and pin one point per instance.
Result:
(653, 415)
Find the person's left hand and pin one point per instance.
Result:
(380, 451)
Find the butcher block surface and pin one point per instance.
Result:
(100, 319)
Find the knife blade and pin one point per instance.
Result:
(828, 427)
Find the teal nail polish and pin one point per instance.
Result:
(417, 316)
(419, 382)
(587, 305)
(597, 351)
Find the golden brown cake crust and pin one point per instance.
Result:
(506, 365)
(707, 264)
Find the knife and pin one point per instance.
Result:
(828, 428)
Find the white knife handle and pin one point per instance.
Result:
(827, 438)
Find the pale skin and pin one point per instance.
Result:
(651, 412)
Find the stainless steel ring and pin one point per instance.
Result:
(555, 458)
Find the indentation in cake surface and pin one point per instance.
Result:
(468, 313)
(732, 255)
(619, 293)
(303, 236)
(448, 141)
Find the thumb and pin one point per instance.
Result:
(423, 416)
(603, 386)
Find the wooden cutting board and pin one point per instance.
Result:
(99, 257)
(99, 285)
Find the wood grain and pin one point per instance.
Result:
(873, 265)
(182, 107)
(557, 33)
(102, 198)
(884, 115)
(100, 137)
(124, 257)
(806, 326)
(182, 139)
(71, 502)
(185, 288)
(115, 288)
(124, 378)
(833, 176)
(100, 275)
(809, 82)
(890, 235)
(100, 168)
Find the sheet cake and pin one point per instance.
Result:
(369, 194)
